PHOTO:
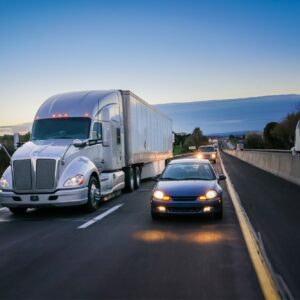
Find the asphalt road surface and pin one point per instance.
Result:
(124, 255)
(273, 206)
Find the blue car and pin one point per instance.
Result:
(188, 186)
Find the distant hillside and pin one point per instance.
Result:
(216, 116)
(21, 128)
(234, 115)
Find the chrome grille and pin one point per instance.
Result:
(45, 174)
(22, 172)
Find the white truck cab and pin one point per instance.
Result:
(86, 147)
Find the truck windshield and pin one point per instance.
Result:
(64, 128)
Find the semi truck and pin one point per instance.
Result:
(86, 147)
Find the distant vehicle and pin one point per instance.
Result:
(188, 186)
(85, 147)
(207, 152)
(240, 145)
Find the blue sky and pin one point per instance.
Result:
(164, 51)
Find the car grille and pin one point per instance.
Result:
(184, 198)
(23, 174)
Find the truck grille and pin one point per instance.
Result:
(24, 176)
(22, 170)
(45, 174)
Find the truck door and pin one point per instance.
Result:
(97, 149)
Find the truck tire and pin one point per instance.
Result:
(137, 177)
(92, 204)
(18, 210)
(129, 180)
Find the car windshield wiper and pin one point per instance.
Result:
(193, 178)
(168, 178)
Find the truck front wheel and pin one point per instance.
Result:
(94, 189)
(129, 180)
(18, 210)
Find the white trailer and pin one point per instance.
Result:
(84, 147)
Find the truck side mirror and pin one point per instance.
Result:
(79, 143)
(16, 140)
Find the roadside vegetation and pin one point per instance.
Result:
(184, 141)
(276, 135)
(8, 142)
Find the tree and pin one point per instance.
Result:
(195, 139)
(270, 141)
(254, 141)
(284, 132)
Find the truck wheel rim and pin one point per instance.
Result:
(138, 177)
(93, 193)
(131, 179)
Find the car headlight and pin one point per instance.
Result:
(199, 156)
(213, 155)
(4, 183)
(159, 195)
(74, 181)
(211, 194)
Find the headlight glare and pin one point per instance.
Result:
(199, 156)
(4, 183)
(74, 181)
(211, 194)
(159, 195)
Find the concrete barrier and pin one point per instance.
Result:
(282, 164)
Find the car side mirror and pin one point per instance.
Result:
(221, 177)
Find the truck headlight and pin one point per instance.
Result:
(4, 183)
(159, 195)
(74, 181)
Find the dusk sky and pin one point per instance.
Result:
(164, 51)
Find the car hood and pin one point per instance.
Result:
(186, 187)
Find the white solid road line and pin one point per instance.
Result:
(99, 217)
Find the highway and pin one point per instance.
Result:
(273, 206)
(123, 254)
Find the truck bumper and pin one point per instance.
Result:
(59, 198)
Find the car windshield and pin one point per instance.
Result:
(64, 128)
(206, 149)
(188, 171)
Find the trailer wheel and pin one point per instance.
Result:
(18, 210)
(137, 177)
(129, 180)
(93, 190)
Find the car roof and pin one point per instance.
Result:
(189, 160)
